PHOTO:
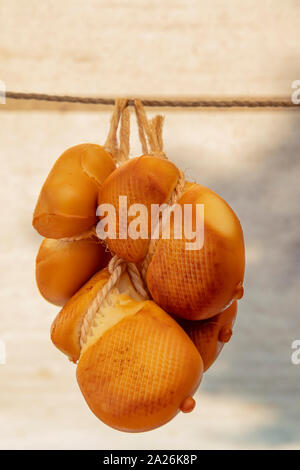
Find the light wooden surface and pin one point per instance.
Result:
(250, 398)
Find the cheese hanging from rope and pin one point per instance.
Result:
(143, 180)
(198, 284)
(137, 367)
(68, 200)
(192, 284)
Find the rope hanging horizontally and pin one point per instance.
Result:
(150, 133)
(164, 103)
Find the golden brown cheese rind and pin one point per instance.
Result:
(144, 180)
(198, 284)
(137, 375)
(62, 267)
(209, 336)
(66, 328)
(68, 200)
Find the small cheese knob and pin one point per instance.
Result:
(188, 405)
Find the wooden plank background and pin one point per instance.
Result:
(250, 398)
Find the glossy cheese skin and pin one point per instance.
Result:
(198, 284)
(62, 267)
(139, 362)
(66, 328)
(67, 203)
(139, 373)
(137, 368)
(209, 336)
(143, 180)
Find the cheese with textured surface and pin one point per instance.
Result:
(121, 302)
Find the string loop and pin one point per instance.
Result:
(116, 268)
(275, 102)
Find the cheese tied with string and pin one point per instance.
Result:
(143, 180)
(193, 284)
(137, 365)
(67, 204)
(201, 282)
(66, 214)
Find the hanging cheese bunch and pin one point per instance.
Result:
(193, 284)
(66, 214)
(144, 329)
(136, 366)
